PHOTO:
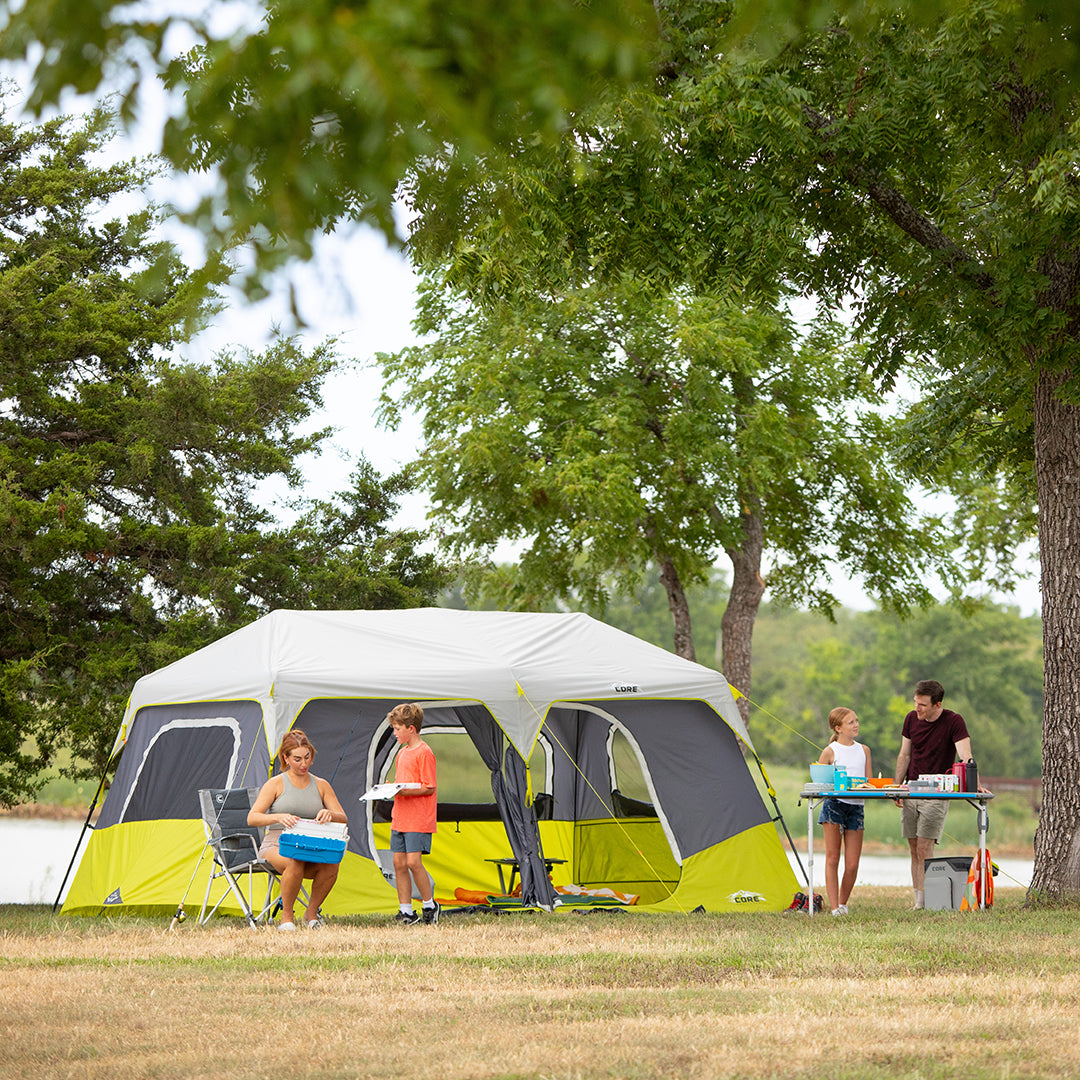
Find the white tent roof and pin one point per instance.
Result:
(518, 664)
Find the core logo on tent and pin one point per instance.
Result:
(626, 688)
(744, 897)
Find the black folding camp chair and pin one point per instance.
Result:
(235, 845)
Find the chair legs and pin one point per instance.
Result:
(271, 901)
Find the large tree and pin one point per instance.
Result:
(921, 174)
(939, 166)
(926, 175)
(613, 427)
(129, 480)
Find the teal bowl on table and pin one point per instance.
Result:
(821, 774)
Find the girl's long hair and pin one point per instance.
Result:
(837, 717)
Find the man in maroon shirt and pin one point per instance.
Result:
(933, 738)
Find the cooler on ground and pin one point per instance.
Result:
(946, 878)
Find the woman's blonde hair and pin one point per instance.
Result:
(292, 740)
(837, 717)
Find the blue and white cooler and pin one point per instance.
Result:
(313, 841)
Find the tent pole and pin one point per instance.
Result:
(86, 825)
(779, 816)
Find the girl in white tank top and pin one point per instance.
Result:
(841, 820)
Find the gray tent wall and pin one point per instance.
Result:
(174, 750)
(704, 797)
(702, 791)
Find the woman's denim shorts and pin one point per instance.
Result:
(835, 812)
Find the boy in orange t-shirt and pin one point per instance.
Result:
(413, 818)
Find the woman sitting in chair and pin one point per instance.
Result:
(284, 799)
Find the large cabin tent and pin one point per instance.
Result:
(560, 691)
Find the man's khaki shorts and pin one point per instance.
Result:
(923, 818)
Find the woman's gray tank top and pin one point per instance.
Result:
(303, 802)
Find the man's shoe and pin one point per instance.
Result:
(409, 919)
(431, 914)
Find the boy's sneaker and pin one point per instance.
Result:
(799, 903)
(431, 914)
(819, 904)
(409, 919)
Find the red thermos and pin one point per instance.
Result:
(967, 775)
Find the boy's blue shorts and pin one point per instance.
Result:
(835, 812)
(406, 842)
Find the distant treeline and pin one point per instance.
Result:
(989, 659)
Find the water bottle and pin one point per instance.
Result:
(971, 776)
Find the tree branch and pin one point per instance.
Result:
(903, 214)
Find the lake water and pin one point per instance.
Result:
(896, 870)
(38, 853)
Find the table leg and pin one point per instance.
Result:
(810, 855)
(983, 825)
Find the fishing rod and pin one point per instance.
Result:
(86, 825)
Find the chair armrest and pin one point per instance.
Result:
(236, 842)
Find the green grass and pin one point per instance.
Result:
(885, 993)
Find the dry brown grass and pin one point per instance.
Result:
(886, 992)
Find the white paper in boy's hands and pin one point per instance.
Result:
(385, 791)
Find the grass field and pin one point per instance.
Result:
(886, 992)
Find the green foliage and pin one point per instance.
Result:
(310, 112)
(916, 170)
(989, 661)
(128, 482)
(645, 613)
(1050, 24)
(611, 426)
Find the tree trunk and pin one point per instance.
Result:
(1057, 470)
(747, 589)
(680, 609)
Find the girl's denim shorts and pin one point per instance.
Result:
(835, 812)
